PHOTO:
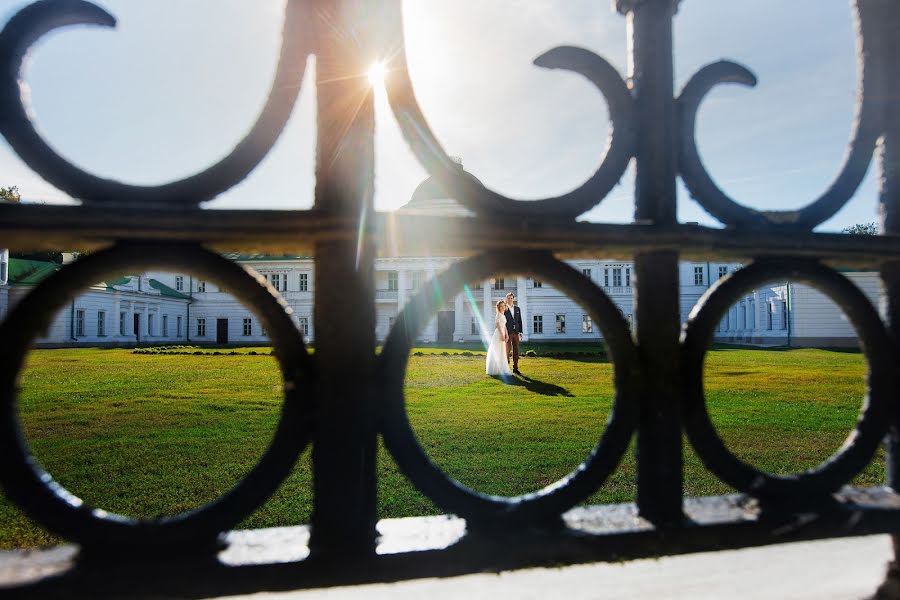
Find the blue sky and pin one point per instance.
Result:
(179, 82)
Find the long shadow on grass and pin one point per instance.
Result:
(574, 357)
(535, 386)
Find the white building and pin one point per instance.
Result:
(156, 308)
(132, 310)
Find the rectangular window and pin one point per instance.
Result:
(279, 282)
(743, 317)
(723, 271)
(201, 327)
(474, 326)
(304, 282)
(165, 326)
(79, 323)
(538, 324)
(587, 324)
(201, 287)
(586, 273)
(560, 323)
(784, 315)
(391, 321)
(698, 275)
(538, 283)
(499, 283)
(122, 321)
(617, 277)
(101, 323)
(149, 324)
(248, 327)
(178, 326)
(605, 277)
(417, 277)
(628, 277)
(393, 281)
(303, 323)
(179, 284)
(769, 316)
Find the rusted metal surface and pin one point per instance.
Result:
(347, 396)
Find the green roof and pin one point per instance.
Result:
(119, 281)
(166, 291)
(30, 272)
(237, 256)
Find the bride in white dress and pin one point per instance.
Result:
(497, 358)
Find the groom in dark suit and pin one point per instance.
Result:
(514, 328)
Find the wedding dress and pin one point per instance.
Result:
(497, 361)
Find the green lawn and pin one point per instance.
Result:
(157, 434)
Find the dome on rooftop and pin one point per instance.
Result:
(431, 198)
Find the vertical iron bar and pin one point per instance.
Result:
(881, 19)
(887, 16)
(344, 451)
(659, 447)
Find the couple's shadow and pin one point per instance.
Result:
(534, 386)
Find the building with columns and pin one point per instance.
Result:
(167, 308)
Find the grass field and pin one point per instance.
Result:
(157, 434)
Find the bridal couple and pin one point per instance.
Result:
(507, 335)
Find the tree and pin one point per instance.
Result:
(10, 194)
(862, 229)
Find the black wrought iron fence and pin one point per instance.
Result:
(340, 402)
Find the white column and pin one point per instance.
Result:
(4, 266)
(459, 329)
(146, 320)
(4, 277)
(522, 297)
(401, 289)
(488, 305)
(117, 315)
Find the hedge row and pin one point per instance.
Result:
(196, 352)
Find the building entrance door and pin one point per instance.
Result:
(446, 325)
(221, 331)
(137, 327)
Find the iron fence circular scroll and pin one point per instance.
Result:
(860, 446)
(469, 191)
(867, 128)
(546, 505)
(33, 489)
(40, 18)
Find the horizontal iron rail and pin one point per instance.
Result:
(421, 547)
(33, 227)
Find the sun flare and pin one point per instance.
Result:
(376, 74)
